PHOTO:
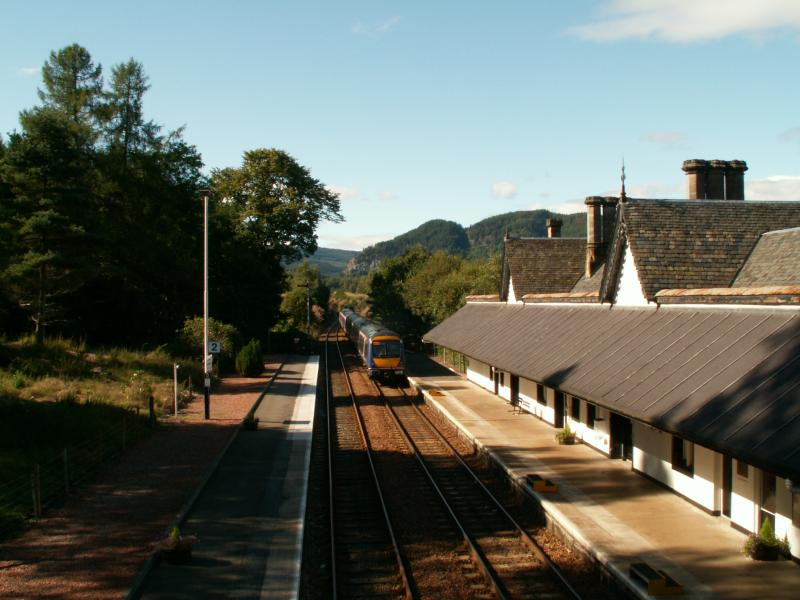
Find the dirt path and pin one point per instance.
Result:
(93, 546)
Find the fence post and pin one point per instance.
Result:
(66, 471)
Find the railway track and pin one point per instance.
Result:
(365, 558)
(451, 538)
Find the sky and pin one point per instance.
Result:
(454, 110)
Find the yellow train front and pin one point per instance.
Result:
(381, 349)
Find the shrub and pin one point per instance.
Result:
(191, 336)
(249, 360)
(766, 545)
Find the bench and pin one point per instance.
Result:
(656, 581)
(540, 484)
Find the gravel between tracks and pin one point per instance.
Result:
(93, 546)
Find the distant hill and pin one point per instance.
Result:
(330, 261)
(481, 239)
(486, 237)
(433, 235)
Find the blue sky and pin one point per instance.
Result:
(457, 110)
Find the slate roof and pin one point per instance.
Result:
(728, 379)
(543, 265)
(695, 243)
(774, 261)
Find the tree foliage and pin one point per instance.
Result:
(101, 225)
(418, 290)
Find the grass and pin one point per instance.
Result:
(61, 395)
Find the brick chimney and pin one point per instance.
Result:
(594, 232)
(715, 179)
(554, 228)
(734, 179)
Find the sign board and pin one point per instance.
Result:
(209, 363)
(214, 347)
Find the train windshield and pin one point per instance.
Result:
(390, 349)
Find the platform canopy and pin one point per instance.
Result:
(724, 378)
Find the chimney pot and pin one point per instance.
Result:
(734, 179)
(554, 228)
(594, 231)
(696, 172)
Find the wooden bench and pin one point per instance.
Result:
(539, 484)
(657, 582)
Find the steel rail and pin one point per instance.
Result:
(526, 537)
(477, 554)
(401, 561)
(329, 424)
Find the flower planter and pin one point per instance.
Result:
(765, 552)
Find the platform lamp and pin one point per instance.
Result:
(308, 313)
(205, 194)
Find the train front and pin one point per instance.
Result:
(386, 353)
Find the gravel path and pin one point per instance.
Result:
(93, 546)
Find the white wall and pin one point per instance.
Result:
(743, 499)
(783, 517)
(600, 436)
(529, 403)
(512, 297)
(652, 455)
(629, 288)
(480, 374)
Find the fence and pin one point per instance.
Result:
(51, 480)
(453, 359)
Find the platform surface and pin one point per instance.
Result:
(249, 518)
(625, 517)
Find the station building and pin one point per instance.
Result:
(669, 337)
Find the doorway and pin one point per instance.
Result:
(559, 409)
(727, 485)
(514, 390)
(621, 437)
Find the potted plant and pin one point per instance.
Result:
(177, 548)
(765, 545)
(565, 436)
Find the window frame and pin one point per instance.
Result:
(682, 456)
(540, 395)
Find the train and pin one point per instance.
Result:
(380, 348)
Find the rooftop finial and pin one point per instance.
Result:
(622, 191)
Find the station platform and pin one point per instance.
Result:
(249, 517)
(609, 510)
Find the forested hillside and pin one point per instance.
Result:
(433, 235)
(329, 261)
(483, 239)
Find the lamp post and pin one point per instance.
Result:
(205, 194)
(308, 313)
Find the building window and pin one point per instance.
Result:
(796, 509)
(742, 470)
(682, 455)
(502, 379)
(575, 411)
(540, 394)
(591, 415)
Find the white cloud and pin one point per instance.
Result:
(28, 71)
(567, 207)
(504, 189)
(685, 21)
(374, 30)
(352, 242)
(344, 192)
(778, 187)
(388, 196)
